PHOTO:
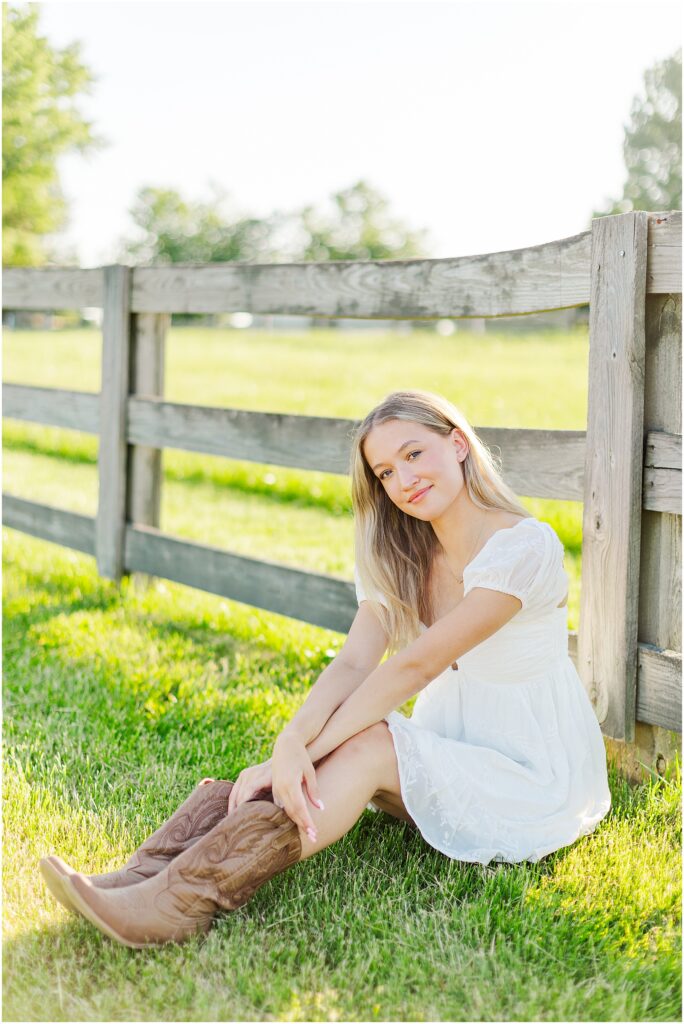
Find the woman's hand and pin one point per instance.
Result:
(294, 776)
(250, 781)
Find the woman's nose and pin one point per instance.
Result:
(407, 477)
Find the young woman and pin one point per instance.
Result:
(502, 758)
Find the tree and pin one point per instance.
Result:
(177, 231)
(653, 143)
(360, 228)
(39, 123)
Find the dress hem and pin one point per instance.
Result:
(478, 856)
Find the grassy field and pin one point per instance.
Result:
(117, 701)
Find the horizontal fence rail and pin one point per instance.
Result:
(536, 463)
(324, 600)
(555, 275)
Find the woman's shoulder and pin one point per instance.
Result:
(512, 535)
(526, 539)
(505, 526)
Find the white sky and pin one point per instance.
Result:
(493, 125)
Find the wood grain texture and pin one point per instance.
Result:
(55, 407)
(148, 335)
(68, 529)
(553, 275)
(611, 521)
(112, 452)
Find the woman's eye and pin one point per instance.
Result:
(416, 452)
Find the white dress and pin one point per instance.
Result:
(503, 758)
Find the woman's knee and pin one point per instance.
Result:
(369, 739)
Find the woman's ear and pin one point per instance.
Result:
(460, 443)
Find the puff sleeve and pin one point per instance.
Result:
(361, 594)
(525, 561)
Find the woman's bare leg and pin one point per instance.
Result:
(362, 768)
(393, 805)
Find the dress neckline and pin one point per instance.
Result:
(491, 537)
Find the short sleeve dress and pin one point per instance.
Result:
(503, 757)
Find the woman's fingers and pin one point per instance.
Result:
(311, 785)
(295, 807)
(246, 793)
(248, 782)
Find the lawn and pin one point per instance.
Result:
(117, 701)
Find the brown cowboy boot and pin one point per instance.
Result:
(219, 872)
(196, 816)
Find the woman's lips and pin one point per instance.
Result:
(419, 495)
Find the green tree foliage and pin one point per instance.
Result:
(360, 227)
(177, 231)
(39, 123)
(653, 143)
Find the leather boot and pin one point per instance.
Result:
(221, 871)
(196, 816)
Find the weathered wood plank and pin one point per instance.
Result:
(662, 481)
(311, 597)
(148, 337)
(45, 288)
(305, 442)
(542, 277)
(148, 334)
(554, 275)
(660, 597)
(664, 262)
(663, 449)
(659, 684)
(540, 463)
(112, 453)
(662, 491)
(75, 410)
(611, 522)
(536, 463)
(68, 529)
(659, 689)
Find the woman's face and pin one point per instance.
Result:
(431, 462)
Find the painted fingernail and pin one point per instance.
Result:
(311, 834)
(321, 805)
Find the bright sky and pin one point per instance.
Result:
(492, 125)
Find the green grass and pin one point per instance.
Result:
(117, 701)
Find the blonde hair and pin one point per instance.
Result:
(394, 551)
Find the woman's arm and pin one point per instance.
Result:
(388, 687)
(475, 618)
(334, 685)
(364, 646)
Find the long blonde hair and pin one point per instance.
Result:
(394, 551)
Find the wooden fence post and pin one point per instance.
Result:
(611, 527)
(148, 336)
(660, 604)
(112, 454)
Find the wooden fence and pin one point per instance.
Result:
(625, 468)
